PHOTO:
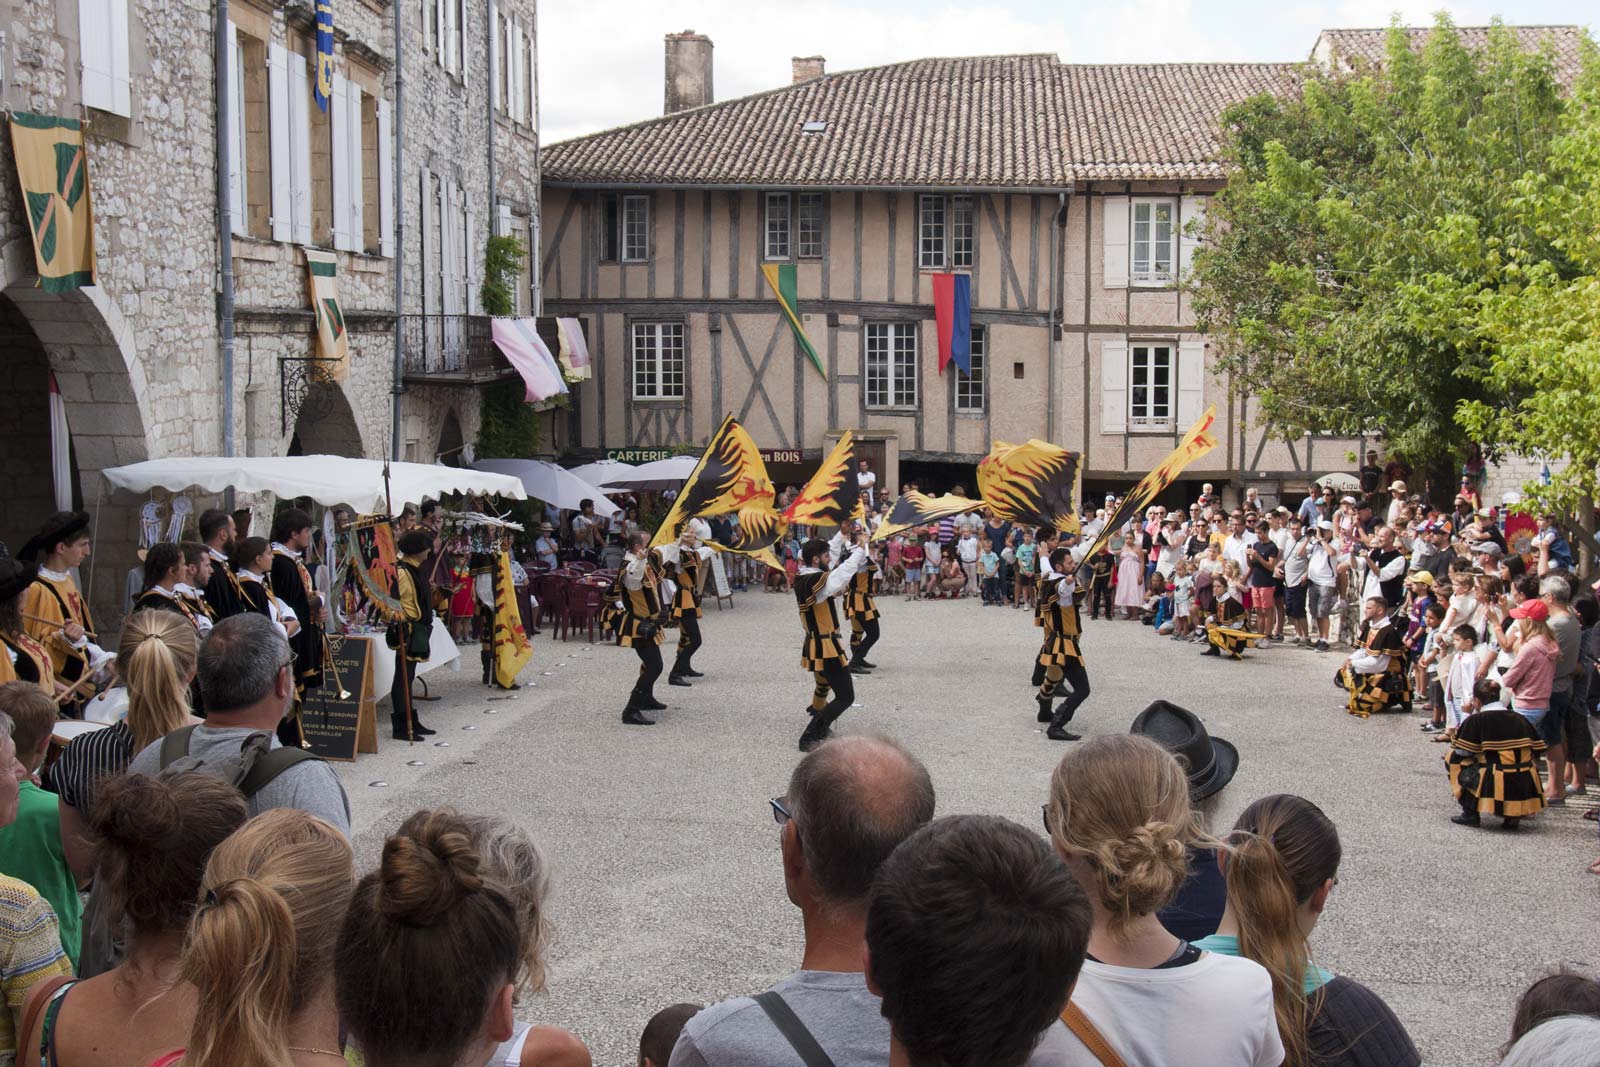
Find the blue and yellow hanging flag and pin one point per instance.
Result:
(323, 90)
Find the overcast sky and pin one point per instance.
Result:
(600, 61)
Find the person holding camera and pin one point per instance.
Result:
(639, 627)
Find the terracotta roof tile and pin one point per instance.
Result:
(1352, 48)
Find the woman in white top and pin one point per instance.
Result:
(1121, 818)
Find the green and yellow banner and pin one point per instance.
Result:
(53, 169)
(333, 340)
(781, 277)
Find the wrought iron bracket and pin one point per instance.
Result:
(296, 376)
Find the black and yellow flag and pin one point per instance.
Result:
(1034, 483)
(915, 509)
(53, 170)
(730, 476)
(1196, 443)
(832, 495)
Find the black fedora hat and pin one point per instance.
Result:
(1210, 761)
(62, 526)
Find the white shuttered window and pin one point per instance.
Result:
(289, 127)
(385, 181)
(103, 53)
(237, 208)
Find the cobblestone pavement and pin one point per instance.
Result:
(667, 880)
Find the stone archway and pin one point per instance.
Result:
(82, 339)
(326, 425)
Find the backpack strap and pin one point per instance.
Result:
(175, 746)
(793, 1030)
(270, 765)
(1091, 1036)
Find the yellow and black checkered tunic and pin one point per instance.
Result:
(1060, 623)
(1224, 636)
(639, 606)
(859, 603)
(1492, 761)
(610, 615)
(686, 601)
(820, 618)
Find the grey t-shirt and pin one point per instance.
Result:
(311, 786)
(843, 1016)
(1569, 631)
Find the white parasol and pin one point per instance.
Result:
(550, 483)
(659, 474)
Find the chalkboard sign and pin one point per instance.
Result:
(335, 722)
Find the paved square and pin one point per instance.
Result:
(667, 883)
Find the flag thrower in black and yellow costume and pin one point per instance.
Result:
(640, 628)
(1493, 767)
(1061, 656)
(860, 600)
(410, 629)
(1224, 632)
(815, 588)
(1375, 674)
(55, 613)
(685, 563)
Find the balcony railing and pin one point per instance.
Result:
(450, 347)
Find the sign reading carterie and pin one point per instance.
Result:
(638, 455)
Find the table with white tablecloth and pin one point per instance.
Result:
(442, 645)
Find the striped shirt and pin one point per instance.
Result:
(30, 952)
(88, 760)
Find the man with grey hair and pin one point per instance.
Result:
(1570, 726)
(851, 801)
(247, 677)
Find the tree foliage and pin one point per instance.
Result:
(1365, 221)
(1541, 327)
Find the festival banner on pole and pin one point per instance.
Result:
(833, 494)
(512, 651)
(915, 509)
(53, 170)
(333, 340)
(1196, 443)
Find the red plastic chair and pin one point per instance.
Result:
(556, 598)
(583, 607)
(583, 566)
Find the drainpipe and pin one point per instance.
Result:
(398, 389)
(489, 11)
(224, 233)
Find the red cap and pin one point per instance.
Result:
(1533, 608)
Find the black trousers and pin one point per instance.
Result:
(400, 695)
(863, 635)
(835, 676)
(688, 643)
(1099, 593)
(649, 654)
(1073, 673)
(1038, 667)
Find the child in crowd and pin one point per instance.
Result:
(1101, 566)
(989, 576)
(661, 1033)
(912, 556)
(1470, 654)
(1157, 605)
(894, 570)
(1026, 564)
(1420, 585)
(1182, 600)
(1433, 656)
(1464, 605)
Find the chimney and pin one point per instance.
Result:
(808, 67)
(688, 71)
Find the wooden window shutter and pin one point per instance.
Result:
(236, 164)
(1191, 213)
(1114, 386)
(385, 181)
(1191, 381)
(278, 89)
(339, 123)
(1115, 242)
(300, 146)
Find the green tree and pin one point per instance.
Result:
(1541, 326)
(1364, 218)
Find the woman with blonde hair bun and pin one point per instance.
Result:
(1121, 818)
(431, 951)
(156, 661)
(260, 948)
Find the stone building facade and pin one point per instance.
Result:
(136, 358)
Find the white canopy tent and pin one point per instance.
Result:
(550, 483)
(603, 472)
(329, 480)
(659, 474)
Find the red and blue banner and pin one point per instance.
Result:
(952, 311)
